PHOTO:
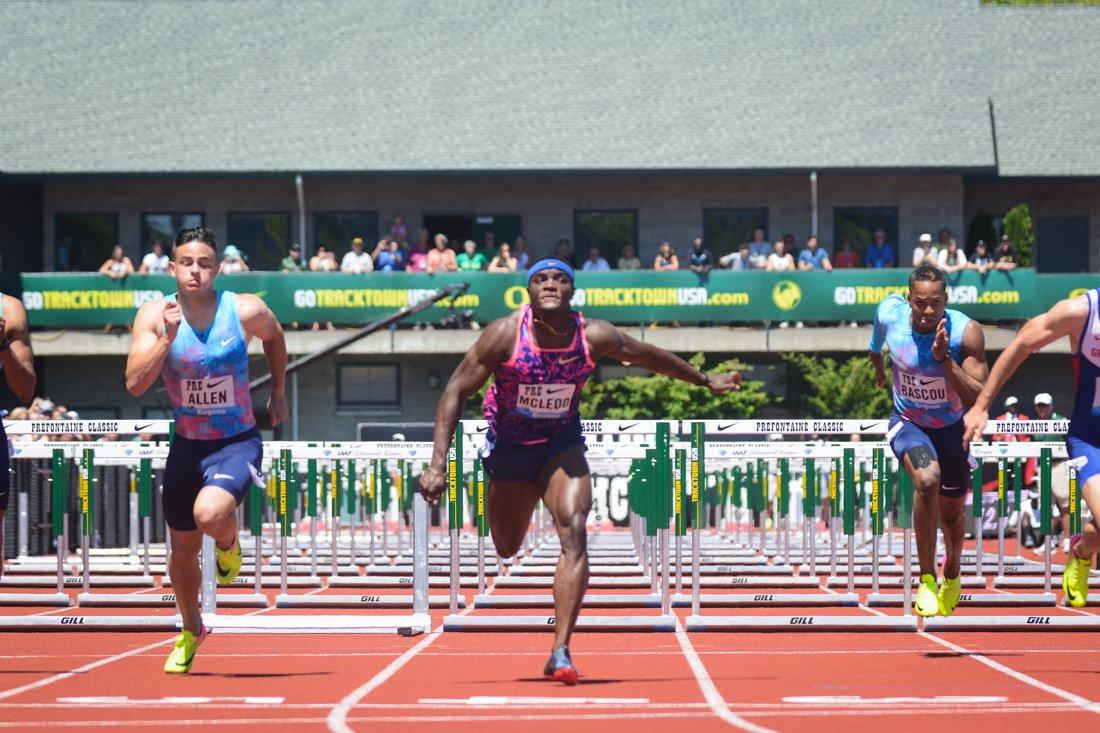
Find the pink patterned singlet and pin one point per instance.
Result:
(537, 392)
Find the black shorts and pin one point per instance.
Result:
(5, 469)
(519, 462)
(231, 463)
(946, 446)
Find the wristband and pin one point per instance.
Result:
(706, 380)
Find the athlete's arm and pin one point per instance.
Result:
(878, 340)
(1066, 318)
(259, 321)
(606, 340)
(969, 377)
(155, 328)
(492, 348)
(15, 350)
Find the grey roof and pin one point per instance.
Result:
(485, 85)
(1045, 87)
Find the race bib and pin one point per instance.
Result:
(921, 389)
(213, 394)
(545, 401)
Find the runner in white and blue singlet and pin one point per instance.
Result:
(1079, 320)
(938, 359)
(17, 363)
(198, 340)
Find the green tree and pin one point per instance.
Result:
(660, 397)
(1018, 227)
(820, 387)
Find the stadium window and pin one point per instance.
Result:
(724, 230)
(608, 230)
(334, 230)
(263, 238)
(858, 226)
(158, 227)
(83, 241)
(368, 385)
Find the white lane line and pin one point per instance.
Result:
(859, 700)
(1084, 703)
(713, 697)
(79, 670)
(502, 701)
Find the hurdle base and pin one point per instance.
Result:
(766, 600)
(972, 599)
(166, 600)
(1035, 622)
(89, 623)
(359, 601)
(626, 600)
(546, 623)
(755, 624)
(35, 599)
(405, 625)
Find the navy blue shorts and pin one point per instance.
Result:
(518, 462)
(946, 445)
(1086, 457)
(5, 469)
(231, 463)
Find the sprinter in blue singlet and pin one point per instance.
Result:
(938, 359)
(1079, 320)
(198, 340)
(17, 362)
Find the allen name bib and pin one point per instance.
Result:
(210, 395)
(544, 401)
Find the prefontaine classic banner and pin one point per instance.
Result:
(90, 300)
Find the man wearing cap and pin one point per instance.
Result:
(1059, 472)
(356, 261)
(232, 261)
(540, 357)
(293, 261)
(925, 253)
(1077, 319)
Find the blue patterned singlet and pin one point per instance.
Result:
(207, 376)
(537, 392)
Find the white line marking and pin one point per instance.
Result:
(1084, 703)
(80, 670)
(710, 692)
(503, 701)
(858, 700)
(172, 700)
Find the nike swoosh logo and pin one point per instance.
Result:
(210, 385)
(227, 341)
(482, 429)
(627, 427)
(555, 391)
(570, 360)
(141, 428)
(224, 475)
(221, 570)
(926, 382)
(863, 427)
(723, 428)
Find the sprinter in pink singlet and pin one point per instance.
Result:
(541, 356)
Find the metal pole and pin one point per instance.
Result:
(300, 189)
(907, 573)
(282, 564)
(480, 565)
(694, 571)
(257, 578)
(146, 535)
(813, 202)
(23, 523)
(420, 554)
(209, 582)
(454, 570)
(1046, 565)
(679, 565)
(666, 603)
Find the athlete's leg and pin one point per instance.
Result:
(1, 543)
(569, 498)
(925, 472)
(953, 523)
(510, 506)
(216, 515)
(183, 568)
(1090, 541)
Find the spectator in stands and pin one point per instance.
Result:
(156, 262)
(814, 257)
(323, 261)
(880, 254)
(943, 237)
(356, 261)
(951, 258)
(666, 259)
(118, 265)
(418, 253)
(471, 259)
(389, 256)
(489, 244)
(739, 260)
(519, 252)
(924, 253)
(504, 261)
(1059, 473)
(1005, 257)
(629, 260)
(759, 249)
(293, 261)
(595, 261)
(700, 260)
(779, 260)
(398, 232)
(232, 262)
(980, 260)
(565, 253)
(847, 258)
(442, 258)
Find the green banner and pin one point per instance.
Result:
(91, 300)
